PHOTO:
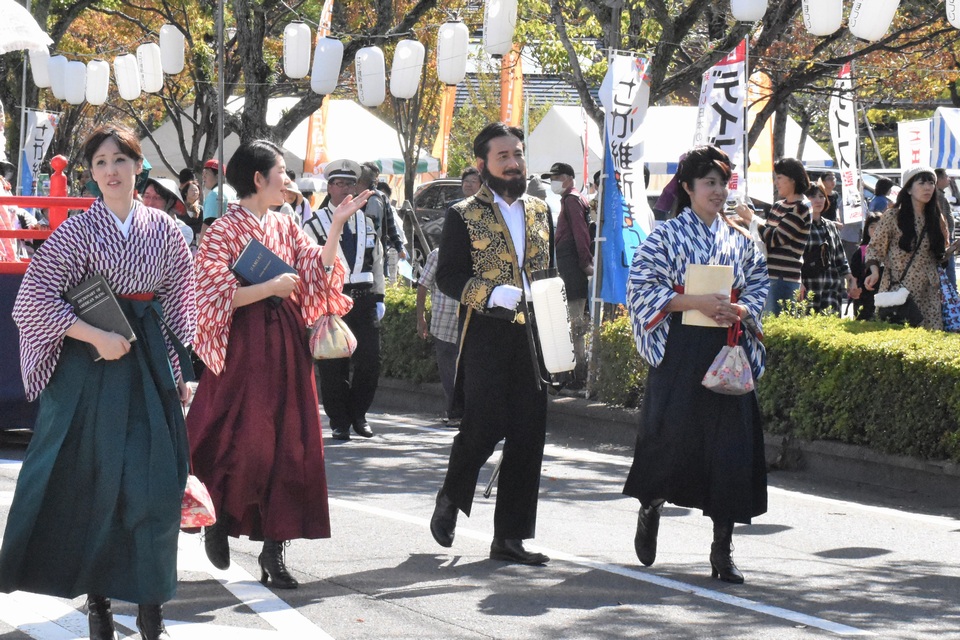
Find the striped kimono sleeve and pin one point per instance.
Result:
(753, 293)
(40, 310)
(177, 295)
(216, 286)
(649, 290)
(318, 291)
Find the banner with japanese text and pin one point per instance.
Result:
(39, 134)
(843, 130)
(914, 142)
(441, 146)
(720, 115)
(316, 153)
(626, 215)
(511, 88)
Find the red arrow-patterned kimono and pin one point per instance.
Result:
(254, 425)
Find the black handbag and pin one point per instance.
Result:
(907, 312)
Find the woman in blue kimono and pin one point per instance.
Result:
(697, 448)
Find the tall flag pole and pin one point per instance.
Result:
(316, 153)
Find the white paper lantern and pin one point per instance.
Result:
(499, 21)
(371, 76)
(406, 69)
(150, 62)
(452, 40)
(57, 68)
(98, 81)
(326, 66)
(296, 50)
(127, 75)
(953, 13)
(75, 82)
(171, 49)
(870, 19)
(38, 66)
(748, 10)
(822, 17)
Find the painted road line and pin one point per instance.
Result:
(650, 578)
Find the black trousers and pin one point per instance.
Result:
(501, 402)
(346, 398)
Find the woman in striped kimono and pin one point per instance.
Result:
(696, 448)
(97, 504)
(255, 439)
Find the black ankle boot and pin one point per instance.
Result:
(217, 544)
(150, 623)
(721, 563)
(648, 525)
(100, 618)
(273, 571)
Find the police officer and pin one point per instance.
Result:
(346, 399)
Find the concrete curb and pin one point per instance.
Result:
(590, 422)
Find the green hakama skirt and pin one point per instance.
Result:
(97, 504)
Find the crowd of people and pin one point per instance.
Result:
(112, 446)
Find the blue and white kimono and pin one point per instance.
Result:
(660, 264)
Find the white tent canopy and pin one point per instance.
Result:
(560, 138)
(352, 133)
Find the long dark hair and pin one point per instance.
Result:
(931, 217)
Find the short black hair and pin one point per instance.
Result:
(793, 169)
(596, 177)
(259, 156)
(697, 163)
(882, 187)
(868, 222)
(481, 144)
(940, 172)
(469, 171)
(384, 187)
(186, 175)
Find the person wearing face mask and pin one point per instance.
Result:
(574, 257)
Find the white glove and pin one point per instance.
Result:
(506, 296)
(381, 309)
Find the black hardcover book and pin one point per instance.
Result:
(95, 304)
(257, 264)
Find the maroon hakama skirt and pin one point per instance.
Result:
(254, 430)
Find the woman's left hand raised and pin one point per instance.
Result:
(350, 205)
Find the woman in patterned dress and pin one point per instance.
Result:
(825, 270)
(255, 439)
(696, 448)
(915, 216)
(97, 505)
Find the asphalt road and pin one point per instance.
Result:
(825, 561)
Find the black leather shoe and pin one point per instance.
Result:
(150, 623)
(341, 434)
(217, 544)
(511, 550)
(363, 429)
(443, 524)
(100, 618)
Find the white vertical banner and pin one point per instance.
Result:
(625, 95)
(720, 114)
(39, 128)
(846, 142)
(914, 142)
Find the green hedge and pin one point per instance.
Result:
(894, 390)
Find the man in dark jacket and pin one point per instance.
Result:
(492, 242)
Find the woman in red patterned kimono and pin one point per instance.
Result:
(97, 505)
(255, 424)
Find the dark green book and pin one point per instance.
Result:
(94, 303)
(257, 264)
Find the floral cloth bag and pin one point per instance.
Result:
(196, 507)
(730, 373)
(950, 302)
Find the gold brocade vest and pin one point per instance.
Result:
(492, 250)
